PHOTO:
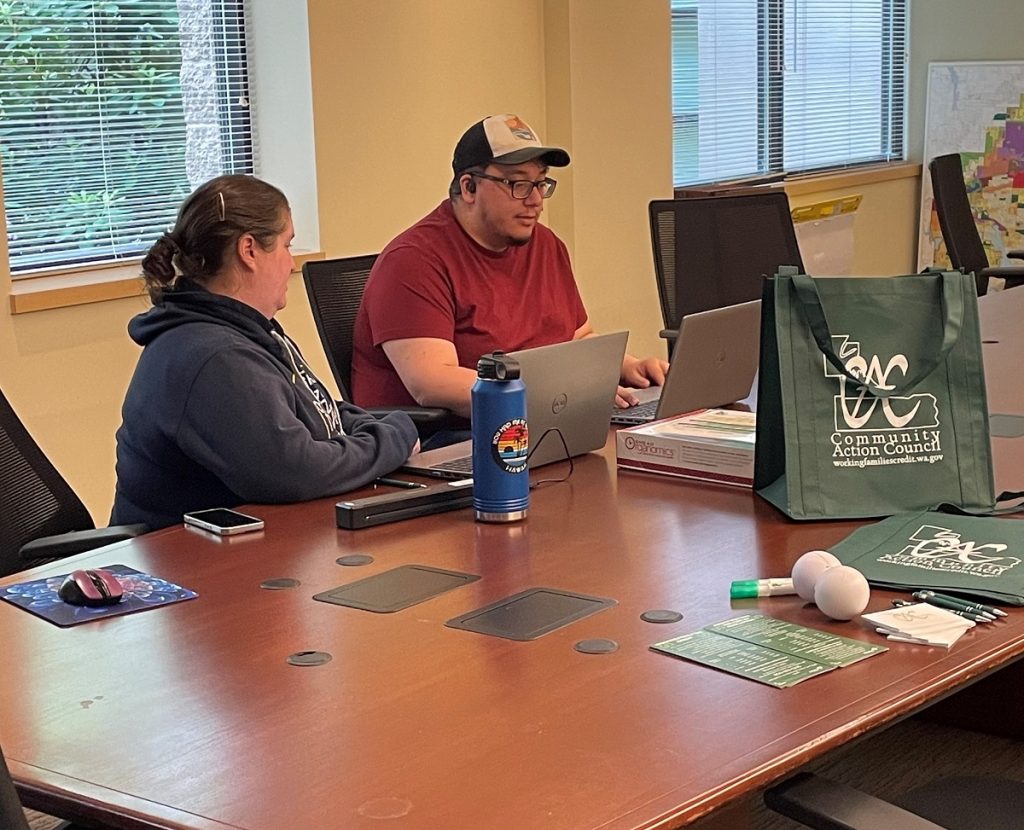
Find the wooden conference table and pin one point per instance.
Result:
(190, 717)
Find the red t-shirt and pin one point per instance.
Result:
(433, 280)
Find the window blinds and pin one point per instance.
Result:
(763, 87)
(110, 114)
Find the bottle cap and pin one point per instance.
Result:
(743, 589)
(497, 366)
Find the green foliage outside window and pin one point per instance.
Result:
(92, 129)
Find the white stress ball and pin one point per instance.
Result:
(808, 568)
(841, 592)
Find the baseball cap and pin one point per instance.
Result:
(505, 139)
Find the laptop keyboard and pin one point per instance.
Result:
(456, 465)
(639, 414)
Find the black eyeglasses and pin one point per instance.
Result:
(523, 188)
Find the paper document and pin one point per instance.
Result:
(920, 623)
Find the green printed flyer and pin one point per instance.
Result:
(767, 650)
(819, 646)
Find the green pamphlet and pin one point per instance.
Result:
(767, 650)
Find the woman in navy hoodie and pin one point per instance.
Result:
(222, 409)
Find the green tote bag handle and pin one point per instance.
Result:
(952, 314)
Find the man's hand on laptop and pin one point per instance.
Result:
(639, 374)
(624, 398)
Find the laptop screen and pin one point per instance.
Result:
(570, 388)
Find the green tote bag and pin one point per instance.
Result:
(871, 396)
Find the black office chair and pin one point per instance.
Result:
(36, 503)
(959, 228)
(714, 251)
(962, 803)
(335, 289)
(11, 814)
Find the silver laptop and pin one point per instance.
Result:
(569, 386)
(714, 363)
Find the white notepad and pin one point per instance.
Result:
(920, 623)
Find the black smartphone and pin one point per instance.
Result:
(223, 521)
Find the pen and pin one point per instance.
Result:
(969, 615)
(965, 604)
(397, 482)
(902, 638)
(957, 606)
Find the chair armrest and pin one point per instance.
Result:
(828, 805)
(1007, 271)
(1015, 254)
(428, 419)
(670, 336)
(419, 414)
(78, 541)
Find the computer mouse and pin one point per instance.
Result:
(94, 587)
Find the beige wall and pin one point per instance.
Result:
(617, 121)
(394, 85)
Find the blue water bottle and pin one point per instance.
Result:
(501, 483)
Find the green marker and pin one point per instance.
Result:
(747, 588)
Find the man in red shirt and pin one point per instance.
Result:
(477, 274)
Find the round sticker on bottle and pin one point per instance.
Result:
(509, 445)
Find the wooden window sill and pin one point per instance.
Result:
(854, 177)
(800, 185)
(70, 288)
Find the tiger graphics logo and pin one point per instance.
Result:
(510, 445)
(869, 431)
(934, 548)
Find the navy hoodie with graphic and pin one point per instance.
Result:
(222, 410)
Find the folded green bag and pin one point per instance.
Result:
(969, 555)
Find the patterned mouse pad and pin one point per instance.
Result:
(141, 592)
